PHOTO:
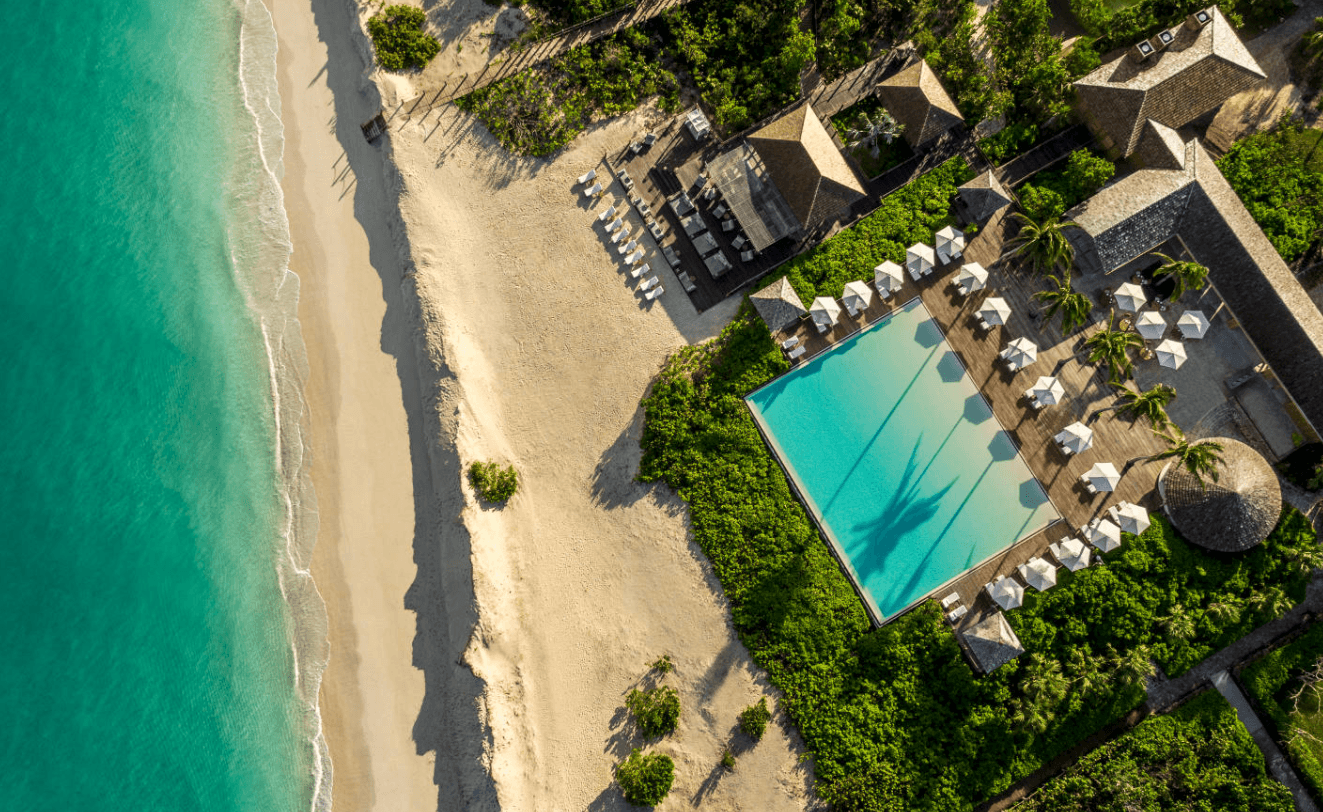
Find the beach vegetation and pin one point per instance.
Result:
(399, 39)
(894, 717)
(645, 779)
(1184, 275)
(493, 483)
(728, 760)
(948, 42)
(663, 665)
(1030, 68)
(1287, 686)
(539, 111)
(1278, 175)
(1198, 757)
(1011, 140)
(754, 719)
(870, 137)
(1052, 193)
(656, 710)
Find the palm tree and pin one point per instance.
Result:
(865, 130)
(1186, 275)
(1074, 306)
(1151, 404)
(1224, 611)
(1043, 679)
(1133, 666)
(1178, 624)
(1305, 559)
(1043, 244)
(1271, 602)
(1086, 670)
(1112, 347)
(1201, 459)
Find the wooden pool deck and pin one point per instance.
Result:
(1090, 399)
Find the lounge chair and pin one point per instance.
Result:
(619, 235)
(634, 257)
(587, 176)
(1088, 486)
(720, 210)
(793, 341)
(728, 225)
(853, 313)
(606, 215)
(625, 179)
(654, 293)
(1034, 402)
(984, 325)
(649, 282)
(636, 147)
(797, 352)
(950, 600)
(739, 242)
(629, 246)
(688, 283)
(822, 328)
(954, 615)
(649, 139)
(961, 289)
(639, 270)
(656, 230)
(594, 190)
(746, 256)
(671, 256)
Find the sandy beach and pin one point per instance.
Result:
(460, 304)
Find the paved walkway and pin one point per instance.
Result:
(1280, 768)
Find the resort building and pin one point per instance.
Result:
(1234, 513)
(915, 97)
(1175, 78)
(1183, 199)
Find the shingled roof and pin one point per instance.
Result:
(1139, 212)
(1203, 67)
(915, 97)
(808, 170)
(991, 642)
(982, 197)
(778, 304)
(1234, 513)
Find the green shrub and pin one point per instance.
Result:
(663, 664)
(645, 779)
(728, 760)
(1199, 757)
(1082, 59)
(1050, 194)
(656, 710)
(754, 719)
(1011, 141)
(398, 36)
(1278, 175)
(492, 482)
(1028, 57)
(1303, 467)
(1271, 681)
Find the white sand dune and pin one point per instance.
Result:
(460, 304)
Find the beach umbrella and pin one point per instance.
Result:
(888, 276)
(973, 277)
(825, 310)
(950, 242)
(1048, 391)
(1151, 325)
(1077, 437)
(1103, 534)
(1103, 476)
(1020, 353)
(1006, 593)
(1171, 354)
(1193, 324)
(919, 260)
(1039, 574)
(858, 295)
(1130, 297)
(1131, 517)
(1072, 554)
(995, 310)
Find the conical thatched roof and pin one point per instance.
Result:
(778, 304)
(916, 98)
(1233, 514)
(992, 643)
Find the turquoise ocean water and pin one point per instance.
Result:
(155, 602)
(902, 462)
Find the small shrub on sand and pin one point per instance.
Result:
(646, 780)
(664, 664)
(492, 482)
(753, 719)
(728, 761)
(657, 710)
(397, 34)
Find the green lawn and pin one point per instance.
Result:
(1273, 681)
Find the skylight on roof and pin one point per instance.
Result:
(1167, 37)
(1145, 48)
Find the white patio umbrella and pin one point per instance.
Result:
(1048, 391)
(858, 295)
(1006, 592)
(950, 242)
(1130, 297)
(825, 310)
(1193, 324)
(919, 260)
(1151, 325)
(1077, 437)
(1103, 534)
(888, 276)
(1072, 554)
(1103, 476)
(995, 310)
(1131, 517)
(973, 276)
(1039, 574)
(1171, 354)
(1020, 353)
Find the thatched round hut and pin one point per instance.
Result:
(1230, 515)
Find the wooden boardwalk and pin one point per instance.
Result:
(1089, 398)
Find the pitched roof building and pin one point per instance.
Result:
(1187, 198)
(991, 642)
(982, 197)
(1203, 65)
(806, 166)
(778, 304)
(916, 98)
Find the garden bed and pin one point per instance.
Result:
(1271, 682)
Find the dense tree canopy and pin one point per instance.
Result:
(1278, 175)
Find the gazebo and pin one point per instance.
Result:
(778, 304)
(1234, 513)
(991, 643)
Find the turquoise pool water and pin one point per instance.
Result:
(900, 459)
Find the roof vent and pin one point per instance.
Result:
(1165, 38)
(1200, 18)
(1143, 50)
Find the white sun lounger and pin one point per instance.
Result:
(654, 293)
(793, 341)
(587, 176)
(619, 235)
(594, 190)
(983, 324)
(634, 257)
(797, 352)
(1088, 486)
(607, 215)
(955, 614)
(640, 270)
(650, 282)
(614, 224)
(629, 246)
(950, 600)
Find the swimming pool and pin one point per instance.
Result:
(900, 459)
